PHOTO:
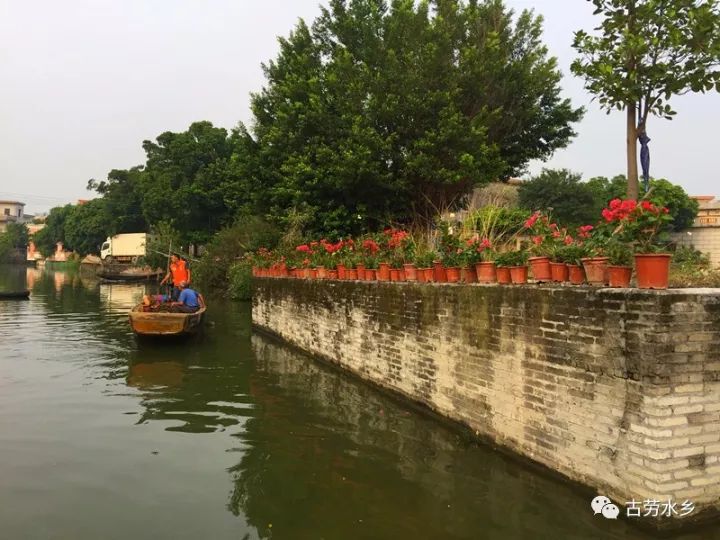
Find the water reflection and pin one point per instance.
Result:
(156, 376)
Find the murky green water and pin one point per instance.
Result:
(233, 436)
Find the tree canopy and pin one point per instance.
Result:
(381, 112)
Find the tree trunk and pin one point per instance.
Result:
(633, 187)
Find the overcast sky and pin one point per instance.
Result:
(84, 82)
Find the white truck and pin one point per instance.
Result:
(124, 248)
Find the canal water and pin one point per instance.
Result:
(234, 436)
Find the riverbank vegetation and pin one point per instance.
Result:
(13, 242)
(500, 244)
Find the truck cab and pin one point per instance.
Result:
(105, 250)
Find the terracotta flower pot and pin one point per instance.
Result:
(540, 268)
(360, 271)
(439, 272)
(429, 274)
(410, 272)
(452, 274)
(421, 275)
(370, 274)
(652, 270)
(596, 270)
(576, 274)
(306, 273)
(255, 271)
(332, 274)
(351, 274)
(321, 272)
(313, 273)
(519, 274)
(559, 272)
(341, 271)
(620, 276)
(383, 272)
(394, 274)
(468, 274)
(503, 275)
(401, 274)
(486, 272)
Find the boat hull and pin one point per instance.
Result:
(14, 295)
(165, 324)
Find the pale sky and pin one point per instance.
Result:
(84, 82)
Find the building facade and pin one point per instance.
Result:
(704, 235)
(11, 212)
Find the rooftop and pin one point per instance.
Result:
(13, 202)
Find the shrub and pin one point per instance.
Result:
(227, 247)
(240, 281)
(692, 268)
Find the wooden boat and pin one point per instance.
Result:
(14, 295)
(149, 323)
(115, 276)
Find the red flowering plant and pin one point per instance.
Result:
(263, 258)
(370, 250)
(542, 232)
(304, 255)
(348, 255)
(400, 246)
(328, 254)
(478, 250)
(643, 225)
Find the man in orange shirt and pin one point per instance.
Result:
(178, 273)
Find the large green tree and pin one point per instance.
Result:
(86, 226)
(122, 194)
(382, 111)
(563, 194)
(644, 53)
(186, 178)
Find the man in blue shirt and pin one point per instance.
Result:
(189, 300)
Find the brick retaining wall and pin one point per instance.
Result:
(616, 389)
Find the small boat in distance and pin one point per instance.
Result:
(167, 324)
(14, 295)
(118, 273)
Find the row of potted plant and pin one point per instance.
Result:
(600, 254)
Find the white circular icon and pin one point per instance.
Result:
(598, 503)
(610, 511)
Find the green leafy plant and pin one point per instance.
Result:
(619, 253)
(425, 258)
(573, 253)
(515, 258)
